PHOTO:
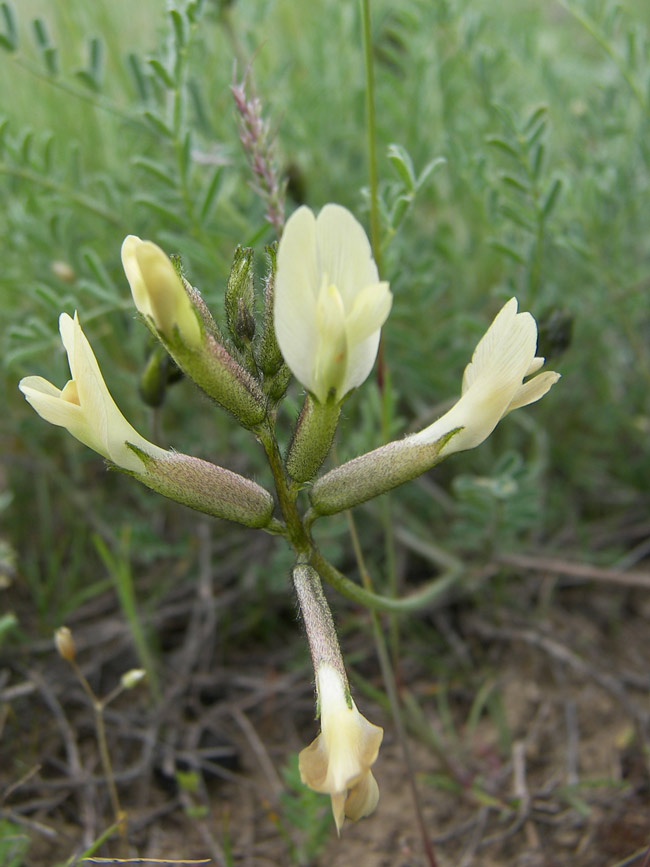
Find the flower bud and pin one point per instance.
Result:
(131, 678)
(171, 312)
(312, 438)
(240, 298)
(269, 357)
(374, 473)
(159, 293)
(64, 643)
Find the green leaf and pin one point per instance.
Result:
(10, 38)
(158, 170)
(179, 27)
(513, 254)
(517, 217)
(40, 33)
(162, 73)
(48, 154)
(429, 170)
(534, 118)
(26, 144)
(501, 144)
(96, 267)
(551, 198)
(135, 67)
(186, 153)
(399, 210)
(535, 134)
(515, 184)
(403, 164)
(160, 209)
(506, 116)
(158, 124)
(51, 58)
(538, 161)
(211, 193)
(87, 79)
(96, 54)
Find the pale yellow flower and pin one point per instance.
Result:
(493, 383)
(329, 302)
(158, 291)
(338, 761)
(84, 406)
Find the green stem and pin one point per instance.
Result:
(295, 531)
(375, 239)
(427, 596)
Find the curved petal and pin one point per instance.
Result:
(361, 359)
(331, 351)
(506, 350)
(134, 274)
(46, 400)
(363, 798)
(533, 390)
(345, 255)
(297, 285)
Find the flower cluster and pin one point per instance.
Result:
(324, 307)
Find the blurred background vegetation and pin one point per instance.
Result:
(118, 118)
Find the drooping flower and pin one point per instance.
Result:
(329, 302)
(158, 291)
(84, 406)
(338, 761)
(494, 383)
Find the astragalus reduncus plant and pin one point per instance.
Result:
(325, 307)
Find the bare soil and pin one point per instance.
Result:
(527, 712)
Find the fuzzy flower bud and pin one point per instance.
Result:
(158, 291)
(173, 312)
(493, 385)
(329, 302)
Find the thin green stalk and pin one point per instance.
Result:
(296, 531)
(100, 730)
(375, 239)
(94, 846)
(119, 568)
(427, 596)
(383, 377)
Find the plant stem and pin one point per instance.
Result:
(426, 596)
(383, 378)
(100, 731)
(375, 240)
